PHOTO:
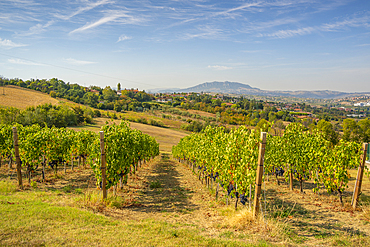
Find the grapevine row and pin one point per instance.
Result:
(125, 148)
(231, 158)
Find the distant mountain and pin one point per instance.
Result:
(220, 87)
(164, 90)
(240, 88)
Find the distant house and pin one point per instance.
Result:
(94, 91)
(356, 115)
(362, 104)
(164, 99)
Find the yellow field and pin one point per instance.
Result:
(165, 137)
(22, 98)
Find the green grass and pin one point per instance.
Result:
(39, 218)
(155, 185)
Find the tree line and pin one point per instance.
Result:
(48, 115)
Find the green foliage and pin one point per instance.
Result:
(155, 185)
(7, 187)
(109, 95)
(328, 130)
(196, 126)
(53, 94)
(117, 107)
(47, 114)
(350, 130)
(156, 123)
(124, 148)
(234, 155)
(336, 164)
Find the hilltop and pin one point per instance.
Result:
(21, 98)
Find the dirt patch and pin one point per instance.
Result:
(169, 191)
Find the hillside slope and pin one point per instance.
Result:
(12, 96)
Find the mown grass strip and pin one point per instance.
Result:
(34, 218)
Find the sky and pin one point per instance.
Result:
(268, 44)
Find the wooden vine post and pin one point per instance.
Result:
(360, 174)
(103, 166)
(259, 174)
(43, 168)
(17, 159)
(291, 178)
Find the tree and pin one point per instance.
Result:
(53, 94)
(350, 130)
(119, 86)
(364, 130)
(108, 94)
(79, 113)
(97, 113)
(91, 99)
(272, 116)
(263, 125)
(117, 107)
(328, 130)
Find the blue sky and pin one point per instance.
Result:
(269, 44)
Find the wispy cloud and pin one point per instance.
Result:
(204, 32)
(37, 29)
(78, 62)
(219, 67)
(263, 26)
(8, 44)
(239, 8)
(123, 37)
(282, 34)
(82, 9)
(353, 22)
(111, 16)
(326, 6)
(22, 62)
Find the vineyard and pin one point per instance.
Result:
(230, 159)
(35, 147)
(162, 203)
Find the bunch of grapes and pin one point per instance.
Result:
(279, 172)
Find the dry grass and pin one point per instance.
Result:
(202, 113)
(244, 219)
(365, 213)
(165, 137)
(22, 98)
